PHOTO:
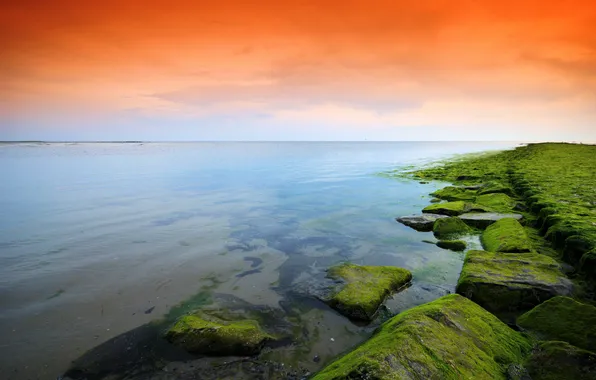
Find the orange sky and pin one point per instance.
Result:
(274, 70)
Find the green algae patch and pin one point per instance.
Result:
(562, 318)
(449, 338)
(497, 202)
(453, 193)
(502, 282)
(453, 245)
(450, 228)
(448, 208)
(212, 336)
(364, 288)
(506, 235)
(559, 360)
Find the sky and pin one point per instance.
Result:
(298, 70)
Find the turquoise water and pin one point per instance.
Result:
(98, 239)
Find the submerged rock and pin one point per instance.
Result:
(485, 219)
(212, 336)
(454, 245)
(506, 235)
(422, 223)
(562, 318)
(453, 193)
(560, 360)
(449, 338)
(450, 228)
(364, 288)
(509, 281)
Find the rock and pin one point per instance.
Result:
(484, 219)
(364, 288)
(454, 245)
(435, 200)
(423, 223)
(562, 318)
(473, 187)
(211, 336)
(453, 208)
(453, 193)
(517, 372)
(495, 187)
(588, 264)
(450, 228)
(560, 360)
(496, 201)
(509, 281)
(506, 235)
(449, 338)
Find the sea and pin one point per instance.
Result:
(97, 239)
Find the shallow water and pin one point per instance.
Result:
(98, 239)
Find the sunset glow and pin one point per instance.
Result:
(301, 70)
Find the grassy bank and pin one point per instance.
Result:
(557, 183)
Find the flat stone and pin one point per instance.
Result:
(423, 223)
(485, 219)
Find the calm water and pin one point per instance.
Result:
(97, 239)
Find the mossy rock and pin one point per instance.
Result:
(422, 223)
(502, 282)
(506, 235)
(588, 264)
(454, 245)
(496, 187)
(561, 361)
(449, 338)
(449, 228)
(562, 318)
(496, 201)
(481, 220)
(453, 193)
(211, 336)
(364, 288)
(448, 208)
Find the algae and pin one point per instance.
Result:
(211, 336)
(449, 228)
(448, 208)
(449, 338)
(453, 193)
(364, 288)
(562, 318)
(497, 202)
(506, 235)
(509, 281)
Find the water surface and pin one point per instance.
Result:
(98, 239)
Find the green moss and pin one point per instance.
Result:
(448, 208)
(454, 245)
(510, 282)
(207, 335)
(556, 181)
(496, 201)
(449, 228)
(450, 338)
(364, 288)
(562, 318)
(506, 235)
(560, 360)
(496, 187)
(452, 193)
